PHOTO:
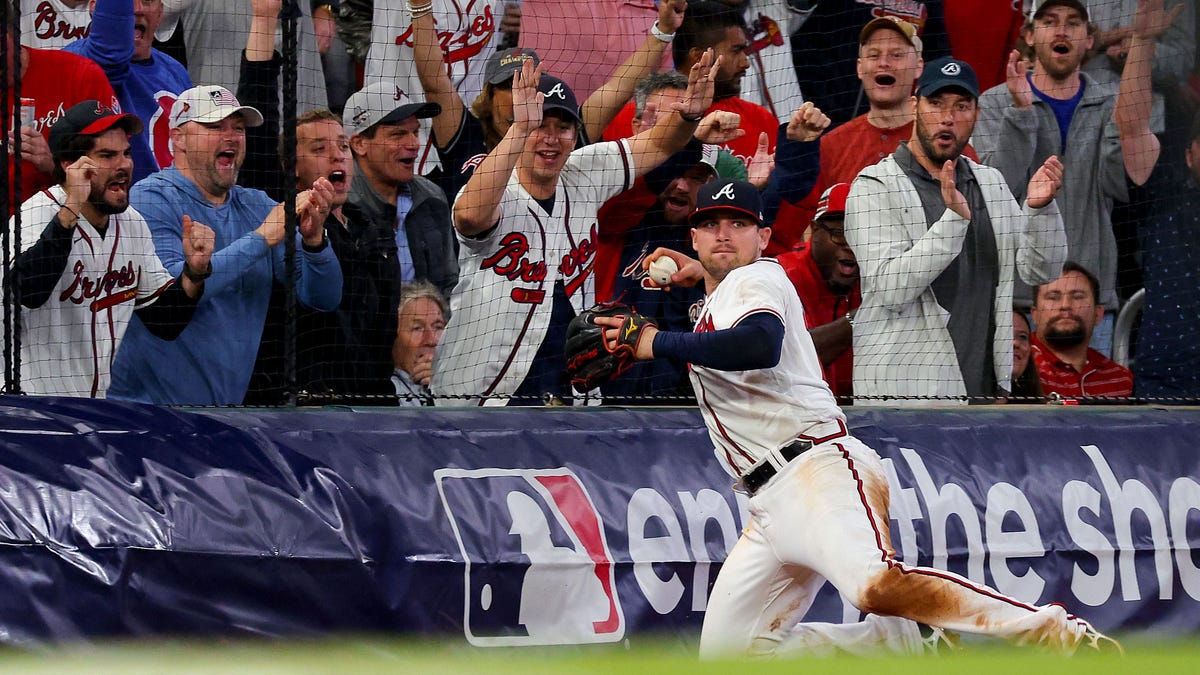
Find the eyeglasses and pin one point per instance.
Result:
(837, 236)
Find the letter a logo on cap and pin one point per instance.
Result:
(557, 90)
(951, 69)
(726, 192)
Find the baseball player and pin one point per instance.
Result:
(87, 260)
(818, 496)
(526, 221)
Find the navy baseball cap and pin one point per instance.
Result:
(89, 118)
(728, 194)
(558, 97)
(506, 62)
(1040, 6)
(947, 73)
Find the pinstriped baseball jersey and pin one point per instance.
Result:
(501, 307)
(466, 30)
(751, 412)
(67, 344)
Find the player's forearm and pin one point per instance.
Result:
(755, 343)
(40, 267)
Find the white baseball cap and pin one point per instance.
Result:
(383, 103)
(209, 103)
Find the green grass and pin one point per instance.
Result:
(352, 656)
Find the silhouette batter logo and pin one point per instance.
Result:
(538, 567)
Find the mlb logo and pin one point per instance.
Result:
(538, 567)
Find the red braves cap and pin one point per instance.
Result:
(833, 201)
(89, 118)
(728, 195)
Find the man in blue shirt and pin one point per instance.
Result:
(146, 80)
(211, 361)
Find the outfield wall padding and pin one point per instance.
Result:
(546, 526)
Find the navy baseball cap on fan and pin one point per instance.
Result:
(947, 73)
(727, 194)
(558, 97)
(1040, 6)
(506, 62)
(89, 118)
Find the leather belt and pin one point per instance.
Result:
(759, 475)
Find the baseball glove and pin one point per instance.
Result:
(590, 362)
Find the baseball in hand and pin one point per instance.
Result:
(661, 270)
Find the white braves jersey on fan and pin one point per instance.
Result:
(501, 307)
(67, 344)
(466, 29)
(771, 80)
(751, 412)
(53, 24)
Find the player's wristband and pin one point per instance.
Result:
(197, 277)
(659, 35)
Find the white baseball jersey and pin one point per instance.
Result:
(751, 412)
(823, 514)
(464, 27)
(500, 309)
(53, 24)
(67, 344)
(771, 80)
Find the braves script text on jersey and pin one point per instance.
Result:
(824, 515)
(67, 344)
(500, 309)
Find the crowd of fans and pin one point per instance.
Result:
(964, 194)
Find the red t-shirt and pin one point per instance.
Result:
(55, 80)
(1101, 375)
(845, 152)
(755, 119)
(822, 306)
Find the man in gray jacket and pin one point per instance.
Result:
(1058, 110)
(381, 121)
(939, 241)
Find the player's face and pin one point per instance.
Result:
(944, 123)
(1065, 311)
(114, 168)
(734, 63)
(1020, 343)
(1060, 41)
(832, 254)
(213, 151)
(390, 156)
(679, 199)
(323, 151)
(661, 100)
(725, 241)
(147, 14)
(888, 66)
(547, 148)
(417, 337)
